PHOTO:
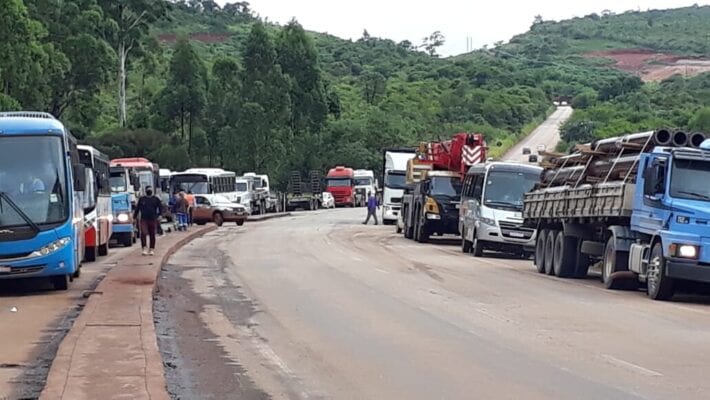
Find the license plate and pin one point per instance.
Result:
(517, 234)
(5, 269)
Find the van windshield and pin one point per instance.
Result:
(505, 189)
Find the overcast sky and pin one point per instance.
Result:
(486, 22)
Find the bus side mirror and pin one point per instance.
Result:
(79, 177)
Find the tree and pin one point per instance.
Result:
(223, 101)
(131, 23)
(431, 43)
(374, 86)
(263, 125)
(538, 20)
(183, 99)
(701, 120)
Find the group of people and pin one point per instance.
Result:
(150, 208)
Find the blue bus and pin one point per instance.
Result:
(41, 186)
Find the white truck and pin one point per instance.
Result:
(261, 200)
(364, 183)
(394, 182)
(244, 188)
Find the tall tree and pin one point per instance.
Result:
(223, 103)
(183, 99)
(298, 59)
(265, 104)
(132, 19)
(431, 43)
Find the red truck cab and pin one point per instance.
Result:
(339, 183)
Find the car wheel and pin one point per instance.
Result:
(218, 219)
(240, 223)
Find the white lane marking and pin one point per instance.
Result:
(381, 270)
(630, 366)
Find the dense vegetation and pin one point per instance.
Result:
(126, 76)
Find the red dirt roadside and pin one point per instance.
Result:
(111, 351)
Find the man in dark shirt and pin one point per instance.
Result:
(372, 206)
(149, 208)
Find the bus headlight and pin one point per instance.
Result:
(122, 218)
(51, 248)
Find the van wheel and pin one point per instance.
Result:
(540, 251)
(60, 282)
(466, 246)
(478, 246)
(218, 219)
(659, 286)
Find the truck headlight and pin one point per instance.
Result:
(689, 251)
(430, 206)
(51, 248)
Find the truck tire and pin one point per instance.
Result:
(540, 251)
(658, 285)
(408, 230)
(549, 251)
(616, 261)
(466, 246)
(422, 233)
(564, 255)
(582, 262)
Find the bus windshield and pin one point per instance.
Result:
(505, 189)
(242, 187)
(118, 182)
(194, 186)
(33, 176)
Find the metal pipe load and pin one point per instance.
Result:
(680, 139)
(696, 139)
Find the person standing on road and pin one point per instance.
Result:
(372, 206)
(191, 204)
(181, 209)
(149, 208)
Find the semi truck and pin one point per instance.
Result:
(339, 182)
(635, 203)
(363, 183)
(305, 195)
(435, 174)
(394, 183)
(259, 192)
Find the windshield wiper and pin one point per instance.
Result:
(702, 196)
(18, 210)
(504, 204)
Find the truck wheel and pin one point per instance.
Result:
(103, 249)
(659, 286)
(564, 252)
(218, 219)
(466, 246)
(408, 231)
(60, 282)
(540, 251)
(582, 262)
(616, 261)
(399, 228)
(549, 252)
(478, 246)
(422, 234)
(90, 254)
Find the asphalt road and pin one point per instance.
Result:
(547, 134)
(318, 306)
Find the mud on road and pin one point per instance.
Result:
(188, 348)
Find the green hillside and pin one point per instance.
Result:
(213, 86)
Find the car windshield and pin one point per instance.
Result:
(32, 176)
(445, 186)
(363, 181)
(242, 186)
(685, 177)
(220, 199)
(339, 182)
(505, 189)
(396, 180)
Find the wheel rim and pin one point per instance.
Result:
(654, 272)
(607, 262)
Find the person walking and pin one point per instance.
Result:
(181, 209)
(149, 208)
(191, 204)
(372, 206)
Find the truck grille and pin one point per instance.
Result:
(515, 230)
(396, 200)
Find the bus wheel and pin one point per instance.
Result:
(103, 249)
(127, 240)
(60, 282)
(90, 254)
(77, 273)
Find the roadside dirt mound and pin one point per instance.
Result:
(653, 66)
(204, 37)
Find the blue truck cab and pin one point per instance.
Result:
(670, 219)
(41, 216)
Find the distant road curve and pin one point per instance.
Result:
(548, 134)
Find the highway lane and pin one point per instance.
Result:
(319, 306)
(547, 134)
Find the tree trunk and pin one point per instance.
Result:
(189, 135)
(122, 55)
(182, 123)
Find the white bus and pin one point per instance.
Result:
(205, 181)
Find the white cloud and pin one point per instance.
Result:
(485, 22)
